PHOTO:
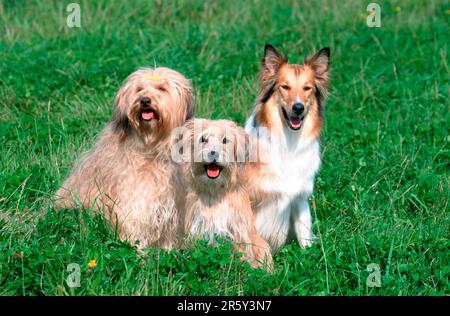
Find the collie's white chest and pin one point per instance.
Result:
(293, 171)
(290, 163)
(287, 179)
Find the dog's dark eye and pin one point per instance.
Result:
(306, 88)
(225, 141)
(162, 89)
(285, 87)
(139, 89)
(203, 139)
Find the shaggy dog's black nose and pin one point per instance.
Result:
(145, 102)
(298, 108)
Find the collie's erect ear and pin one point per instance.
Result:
(271, 62)
(320, 63)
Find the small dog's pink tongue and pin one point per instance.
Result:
(212, 171)
(147, 116)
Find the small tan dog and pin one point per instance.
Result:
(217, 202)
(129, 174)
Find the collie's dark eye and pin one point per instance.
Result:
(225, 141)
(285, 87)
(203, 139)
(306, 88)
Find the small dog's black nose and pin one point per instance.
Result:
(145, 102)
(212, 155)
(298, 108)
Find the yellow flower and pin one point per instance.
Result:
(92, 264)
(447, 11)
(398, 9)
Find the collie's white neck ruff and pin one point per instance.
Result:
(286, 178)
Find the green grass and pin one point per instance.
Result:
(381, 195)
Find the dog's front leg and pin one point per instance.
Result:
(167, 245)
(302, 222)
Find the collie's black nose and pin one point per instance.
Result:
(298, 108)
(145, 102)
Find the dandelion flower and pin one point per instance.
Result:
(92, 264)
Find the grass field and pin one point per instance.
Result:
(382, 193)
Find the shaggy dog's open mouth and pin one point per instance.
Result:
(294, 122)
(212, 170)
(148, 115)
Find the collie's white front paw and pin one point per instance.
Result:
(307, 241)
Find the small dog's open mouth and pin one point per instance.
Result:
(148, 115)
(294, 122)
(213, 170)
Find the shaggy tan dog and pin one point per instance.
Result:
(217, 202)
(129, 174)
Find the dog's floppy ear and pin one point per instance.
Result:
(271, 62)
(121, 125)
(120, 118)
(183, 93)
(320, 63)
(242, 150)
(186, 140)
(190, 103)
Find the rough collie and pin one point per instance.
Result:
(286, 122)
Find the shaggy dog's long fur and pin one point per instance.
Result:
(217, 201)
(129, 173)
(287, 121)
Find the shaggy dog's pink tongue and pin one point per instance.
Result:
(147, 115)
(212, 171)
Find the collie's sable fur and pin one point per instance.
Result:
(217, 202)
(286, 122)
(129, 173)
